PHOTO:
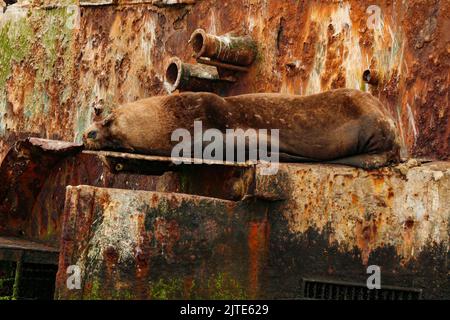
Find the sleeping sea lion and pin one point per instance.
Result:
(343, 126)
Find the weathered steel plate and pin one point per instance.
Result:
(142, 245)
(325, 222)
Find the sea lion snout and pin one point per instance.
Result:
(93, 136)
(98, 136)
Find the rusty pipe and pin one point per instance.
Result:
(190, 77)
(234, 50)
(371, 77)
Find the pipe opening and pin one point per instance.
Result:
(198, 42)
(371, 77)
(367, 76)
(172, 73)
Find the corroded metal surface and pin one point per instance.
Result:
(23, 173)
(58, 63)
(62, 64)
(149, 245)
(32, 198)
(367, 209)
(334, 221)
(137, 163)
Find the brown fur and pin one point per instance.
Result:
(340, 126)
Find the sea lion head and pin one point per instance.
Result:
(98, 135)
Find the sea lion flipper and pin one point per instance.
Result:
(285, 157)
(364, 161)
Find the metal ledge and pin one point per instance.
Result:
(156, 165)
(16, 249)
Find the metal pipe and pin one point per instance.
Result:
(191, 77)
(235, 50)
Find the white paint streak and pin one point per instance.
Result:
(412, 121)
(148, 37)
(118, 229)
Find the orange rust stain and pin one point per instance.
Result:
(142, 254)
(167, 233)
(366, 235)
(110, 257)
(19, 86)
(408, 237)
(355, 199)
(258, 236)
(188, 286)
(334, 77)
(378, 183)
(154, 199)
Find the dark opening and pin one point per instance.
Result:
(197, 42)
(366, 76)
(27, 281)
(7, 275)
(172, 73)
(37, 281)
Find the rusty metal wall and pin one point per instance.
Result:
(57, 63)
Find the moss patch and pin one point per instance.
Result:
(15, 42)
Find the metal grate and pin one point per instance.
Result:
(330, 290)
(37, 281)
(27, 281)
(7, 275)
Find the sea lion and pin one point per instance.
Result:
(342, 126)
